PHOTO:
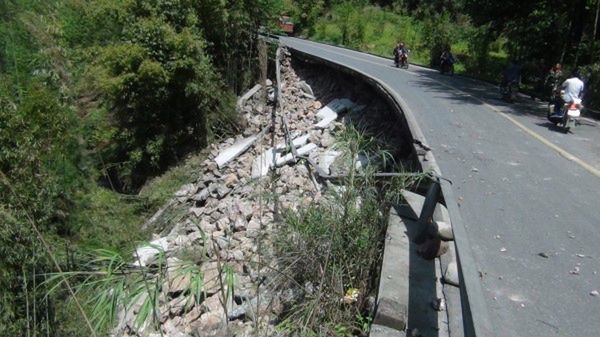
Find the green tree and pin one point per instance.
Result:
(162, 91)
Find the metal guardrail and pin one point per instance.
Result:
(476, 318)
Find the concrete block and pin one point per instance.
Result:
(393, 297)
(326, 159)
(383, 331)
(301, 152)
(242, 100)
(330, 112)
(234, 150)
(440, 215)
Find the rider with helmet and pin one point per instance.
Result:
(399, 52)
(447, 61)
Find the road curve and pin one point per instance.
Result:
(524, 188)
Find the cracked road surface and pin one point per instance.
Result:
(524, 188)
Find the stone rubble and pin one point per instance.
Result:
(228, 222)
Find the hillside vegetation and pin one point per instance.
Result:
(483, 35)
(98, 97)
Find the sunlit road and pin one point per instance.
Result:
(524, 188)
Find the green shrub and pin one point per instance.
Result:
(334, 246)
(591, 74)
(40, 174)
(162, 91)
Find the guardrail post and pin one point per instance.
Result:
(429, 227)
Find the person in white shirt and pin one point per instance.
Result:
(572, 88)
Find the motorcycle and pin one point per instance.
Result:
(553, 101)
(509, 90)
(568, 116)
(401, 61)
(446, 67)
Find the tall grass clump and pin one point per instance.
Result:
(333, 248)
(114, 287)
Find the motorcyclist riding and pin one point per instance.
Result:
(511, 78)
(447, 61)
(512, 74)
(554, 76)
(400, 52)
(572, 88)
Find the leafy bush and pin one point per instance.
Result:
(438, 34)
(39, 154)
(162, 92)
(591, 74)
(39, 178)
(90, 86)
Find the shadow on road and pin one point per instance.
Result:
(434, 82)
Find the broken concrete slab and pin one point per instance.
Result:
(393, 297)
(262, 163)
(383, 331)
(272, 156)
(440, 215)
(234, 150)
(242, 100)
(449, 266)
(451, 274)
(327, 116)
(301, 152)
(326, 160)
(445, 230)
(415, 201)
(306, 88)
(145, 254)
(330, 112)
(297, 142)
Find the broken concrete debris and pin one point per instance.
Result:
(330, 112)
(233, 151)
(144, 255)
(221, 219)
(326, 159)
(242, 100)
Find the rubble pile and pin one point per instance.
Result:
(230, 211)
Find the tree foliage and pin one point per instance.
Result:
(537, 33)
(160, 88)
(109, 91)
